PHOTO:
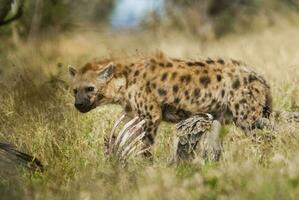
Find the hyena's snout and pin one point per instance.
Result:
(83, 104)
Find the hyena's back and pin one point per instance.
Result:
(226, 89)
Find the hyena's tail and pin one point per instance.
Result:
(267, 109)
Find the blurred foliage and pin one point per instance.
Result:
(4, 8)
(207, 18)
(223, 16)
(44, 15)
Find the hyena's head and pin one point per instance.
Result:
(89, 85)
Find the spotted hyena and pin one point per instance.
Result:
(160, 88)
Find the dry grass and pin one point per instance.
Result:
(37, 114)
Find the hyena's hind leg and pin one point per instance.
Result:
(276, 117)
(200, 130)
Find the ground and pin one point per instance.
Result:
(37, 115)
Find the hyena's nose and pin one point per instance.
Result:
(79, 105)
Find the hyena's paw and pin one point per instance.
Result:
(200, 129)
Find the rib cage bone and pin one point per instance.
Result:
(200, 129)
(128, 141)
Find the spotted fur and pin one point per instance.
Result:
(159, 88)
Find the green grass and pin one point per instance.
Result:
(37, 115)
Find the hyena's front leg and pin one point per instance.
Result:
(152, 116)
(200, 129)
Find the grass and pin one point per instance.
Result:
(37, 115)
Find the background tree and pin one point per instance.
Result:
(6, 6)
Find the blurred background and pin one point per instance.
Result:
(27, 20)
(40, 38)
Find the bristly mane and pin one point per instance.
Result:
(158, 55)
(95, 65)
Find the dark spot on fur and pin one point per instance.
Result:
(245, 81)
(236, 84)
(205, 80)
(237, 106)
(162, 92)
(190, 64)
(175, 89)
(125, 73)
(222, 93)
(128, 69)
(186, 93)
(177, 60)
(151, 107)
(252, 78)
(152, 60)
(201, 64)
(144, 75)
(185, 78)
(196, 93)
(169, 64)
(161, 64)
(176, 100)
(153, 67)
(174, 74)
(205, 71)
(210, 61)
(219, 77)
(136, 73)
(164, 76)
(147, 87)
(243, 101)
(154, 85)
(220, 61)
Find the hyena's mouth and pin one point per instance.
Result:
(86, 108)
(93, 105)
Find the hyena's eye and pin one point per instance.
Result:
(75, 91)
(90, 89)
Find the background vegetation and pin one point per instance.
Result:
(37, 113)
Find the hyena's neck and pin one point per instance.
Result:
(117, 87)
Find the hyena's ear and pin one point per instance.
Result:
(107, 72)
(72, 71)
